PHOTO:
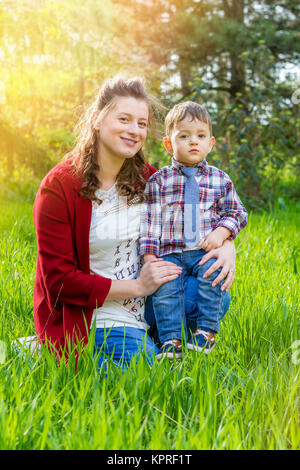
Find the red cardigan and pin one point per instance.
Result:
(65, 292)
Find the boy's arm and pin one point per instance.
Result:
(215, 239)
(233, 213)
(150, 228)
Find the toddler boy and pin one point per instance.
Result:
(192, 208)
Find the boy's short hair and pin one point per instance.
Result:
(181, 110)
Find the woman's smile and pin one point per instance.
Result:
(130, 142)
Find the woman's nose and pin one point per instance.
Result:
(133, 128)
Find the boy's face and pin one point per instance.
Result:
(190, 141)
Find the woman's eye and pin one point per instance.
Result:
(183, 136)
(202, 135)
(123, 119)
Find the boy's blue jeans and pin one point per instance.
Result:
(171, 304)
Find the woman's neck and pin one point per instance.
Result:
(110, 166)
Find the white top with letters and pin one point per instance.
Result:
(113, 244)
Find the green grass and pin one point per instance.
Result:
(243, 396)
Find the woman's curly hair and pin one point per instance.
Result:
(130, 181)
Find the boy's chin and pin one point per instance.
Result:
(190, 161)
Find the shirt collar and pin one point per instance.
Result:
(202, 166)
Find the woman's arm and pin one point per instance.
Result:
(58, 272)
(226, 260)
(153, 274)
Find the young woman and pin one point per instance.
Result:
(86, 216)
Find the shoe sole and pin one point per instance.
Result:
(169, 355)
(194, 347)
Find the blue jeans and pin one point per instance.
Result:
(173, 301)
(121, 344)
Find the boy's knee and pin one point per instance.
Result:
(205, 268)
(170, 288)
(209, 263)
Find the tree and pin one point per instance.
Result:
(229, 55)
(53, 56)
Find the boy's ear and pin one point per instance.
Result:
(168, 145)
(212, 142)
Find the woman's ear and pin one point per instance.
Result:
(168, 145)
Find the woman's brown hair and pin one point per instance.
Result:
(130, 181)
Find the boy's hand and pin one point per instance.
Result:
(215, 239)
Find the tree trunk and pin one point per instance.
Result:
(234, 11)
(185, 78)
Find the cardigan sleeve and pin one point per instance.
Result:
(62, 277)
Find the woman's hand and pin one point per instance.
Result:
(226, 260)
(154, 273)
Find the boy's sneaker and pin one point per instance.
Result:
(202, 341)
(171, 349)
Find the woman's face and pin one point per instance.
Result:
(123, 130)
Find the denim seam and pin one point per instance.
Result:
(222, 296)
(183, 321)
(220, 307)
(175, 334)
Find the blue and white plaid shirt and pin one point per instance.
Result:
(162, 227)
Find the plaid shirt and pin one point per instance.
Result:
(161, 230)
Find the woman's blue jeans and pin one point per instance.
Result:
(120, 344)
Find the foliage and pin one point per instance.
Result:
(53, 56)
(260, 143)
(232, 55)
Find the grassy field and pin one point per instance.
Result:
(243, 396)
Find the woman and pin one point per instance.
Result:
(87, 225)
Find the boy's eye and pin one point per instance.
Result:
(201, 135)
(143, 124)
(124, 119)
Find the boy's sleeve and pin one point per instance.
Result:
(150, 228)
(233, 214)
